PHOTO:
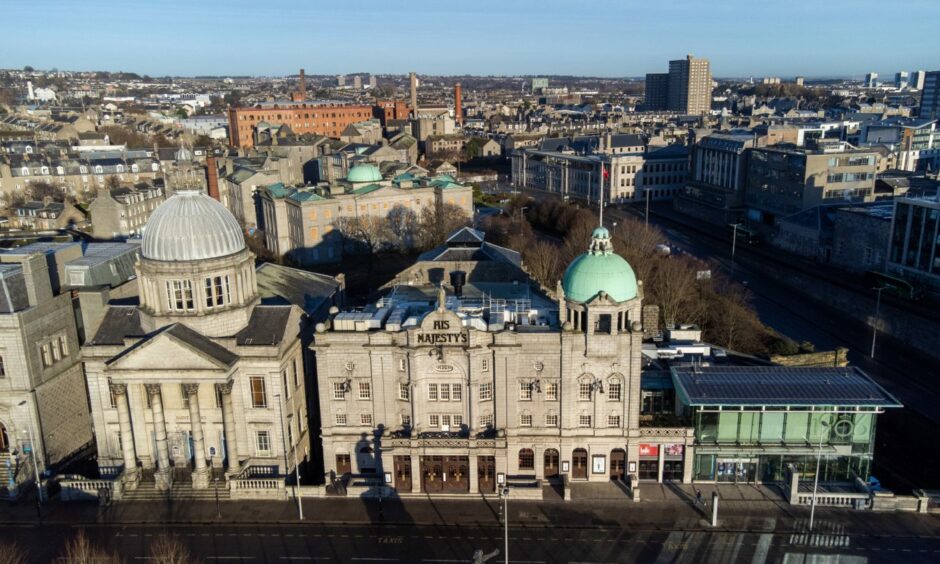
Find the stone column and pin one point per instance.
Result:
(416, 474)
(228, 424)
(201, 471)
(662, 462)
(474, 472)
(131, 474)
(162, 476)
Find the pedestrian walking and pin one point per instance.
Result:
(699, 500)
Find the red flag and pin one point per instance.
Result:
(604, 172)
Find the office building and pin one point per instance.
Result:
(718, 174)
(914, 247)
(930, 96)
(917, 79)
(871, 80)
(321, 119)
(784, 181)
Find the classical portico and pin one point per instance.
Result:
(200, 374)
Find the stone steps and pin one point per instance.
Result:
(147, 492)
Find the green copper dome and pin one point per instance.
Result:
(599, 270)
(364, 173)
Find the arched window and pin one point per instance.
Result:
(3, 368)
(526, 459)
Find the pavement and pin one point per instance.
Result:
(754, 525)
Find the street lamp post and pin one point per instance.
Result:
(300, 507)
(647, 217)
(218, 506)
(734, 244)
(504, 493)
(874, 321)
(284, 444)
(32, 450)
(812, 509)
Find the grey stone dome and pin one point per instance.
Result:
(191, 226)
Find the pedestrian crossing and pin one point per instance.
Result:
(824, 534)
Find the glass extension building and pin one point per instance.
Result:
(754, 423)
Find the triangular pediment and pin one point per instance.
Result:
(176, 348)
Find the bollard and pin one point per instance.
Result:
(714, 509)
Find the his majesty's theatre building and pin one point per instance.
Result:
(466, 375)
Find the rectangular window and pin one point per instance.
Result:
(183, 396)
(432, 392)
(551, 420)
(405, 420)
(486, 421)
(551, 392)
(401, 364)
(486, 391)
(445, 392)
(456, 392)
(485, 365)
(3, 370)
(457, 420)
(339, 390)
(46, 351)
(584, 420)
(584, 391)
(525, 420)
(285, 384)
(613, 392)
(263, 443)
(365, 390)
(404, 393)
(365, 419)
(179, 295)
(613, 420)
(258, 395)
(525, 391)
(340, 419)
(434, 420)
(218, 397)
(63, 347)
(294, 372)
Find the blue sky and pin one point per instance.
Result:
(581, 37)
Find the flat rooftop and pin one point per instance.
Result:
(779, 386)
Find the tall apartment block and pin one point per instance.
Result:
(687, 88)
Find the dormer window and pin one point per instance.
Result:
(135, 168)
(29, 150)
(24, 171)
(83, 169)
(154, 167)
(44, 170)
(99, 169)
(60, 170)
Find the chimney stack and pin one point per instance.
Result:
(458, 106)
(414, 95)
(303, 87)
(212, 177)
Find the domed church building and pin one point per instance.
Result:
(206, 372)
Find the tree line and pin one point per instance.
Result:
(551, 234)
(82, 550)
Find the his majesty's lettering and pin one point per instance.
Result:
(458, 338)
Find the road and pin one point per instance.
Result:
(364, 544)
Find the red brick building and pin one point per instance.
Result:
(321, 119)
(385, 110)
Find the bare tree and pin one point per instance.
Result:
(39, 191)
(403, 227)
(80, 550)
(112, 182)
(438, 222)
(11, 553)
(369, 231)
(543, 261)
(170, 550)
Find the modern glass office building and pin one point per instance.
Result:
(753, 423)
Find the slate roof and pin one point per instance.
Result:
(779, 386)
(266, 326)
(282, 285)
(119, 322)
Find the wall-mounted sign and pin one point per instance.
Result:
(673, 450)
(649, 450)
(632, 467)
(599, 464)
(565, 465)
(388, 477)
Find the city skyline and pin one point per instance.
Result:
(164, 41)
